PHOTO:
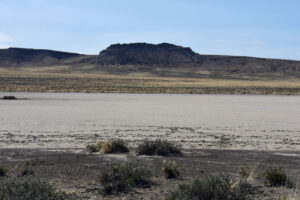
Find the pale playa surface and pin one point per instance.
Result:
(72, 120)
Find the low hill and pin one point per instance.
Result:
(161, 59)
(145, 68)
(20, 57)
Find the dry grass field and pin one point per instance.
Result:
(49, 80)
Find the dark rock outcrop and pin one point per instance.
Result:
(172, 56)
(148, 54)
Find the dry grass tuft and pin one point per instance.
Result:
(248, 172)
(106, 147)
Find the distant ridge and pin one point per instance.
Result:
(166, 55)
(13, 57)
(152, 58)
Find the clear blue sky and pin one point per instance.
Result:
(262, 28)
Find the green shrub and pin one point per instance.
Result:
(31, 189)
(170, 169)
(3, 171)
(158, 147)
(288, 197)
(119, 146)
(213, 187)
(277, 177)
(121, 177)
(26, 168)
(113, 146)
(27, 171)
(27, 163)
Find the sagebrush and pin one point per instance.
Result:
(213, 187)
(113, 146)
(3, 170)
(26, 168)
(170, 169)
(31, 189)
(158, 147)
(277, 177)
(122, 176)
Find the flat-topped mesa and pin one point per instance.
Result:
(163, 54)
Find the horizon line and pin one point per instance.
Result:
(83, 54)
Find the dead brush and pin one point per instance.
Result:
(249, 172)
(106, 147)
(112, 146)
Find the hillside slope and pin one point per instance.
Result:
(161, 59)
(20, 57)
(167, 56)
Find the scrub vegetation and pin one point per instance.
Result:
(101, 82)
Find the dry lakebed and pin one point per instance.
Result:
(218, 133)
